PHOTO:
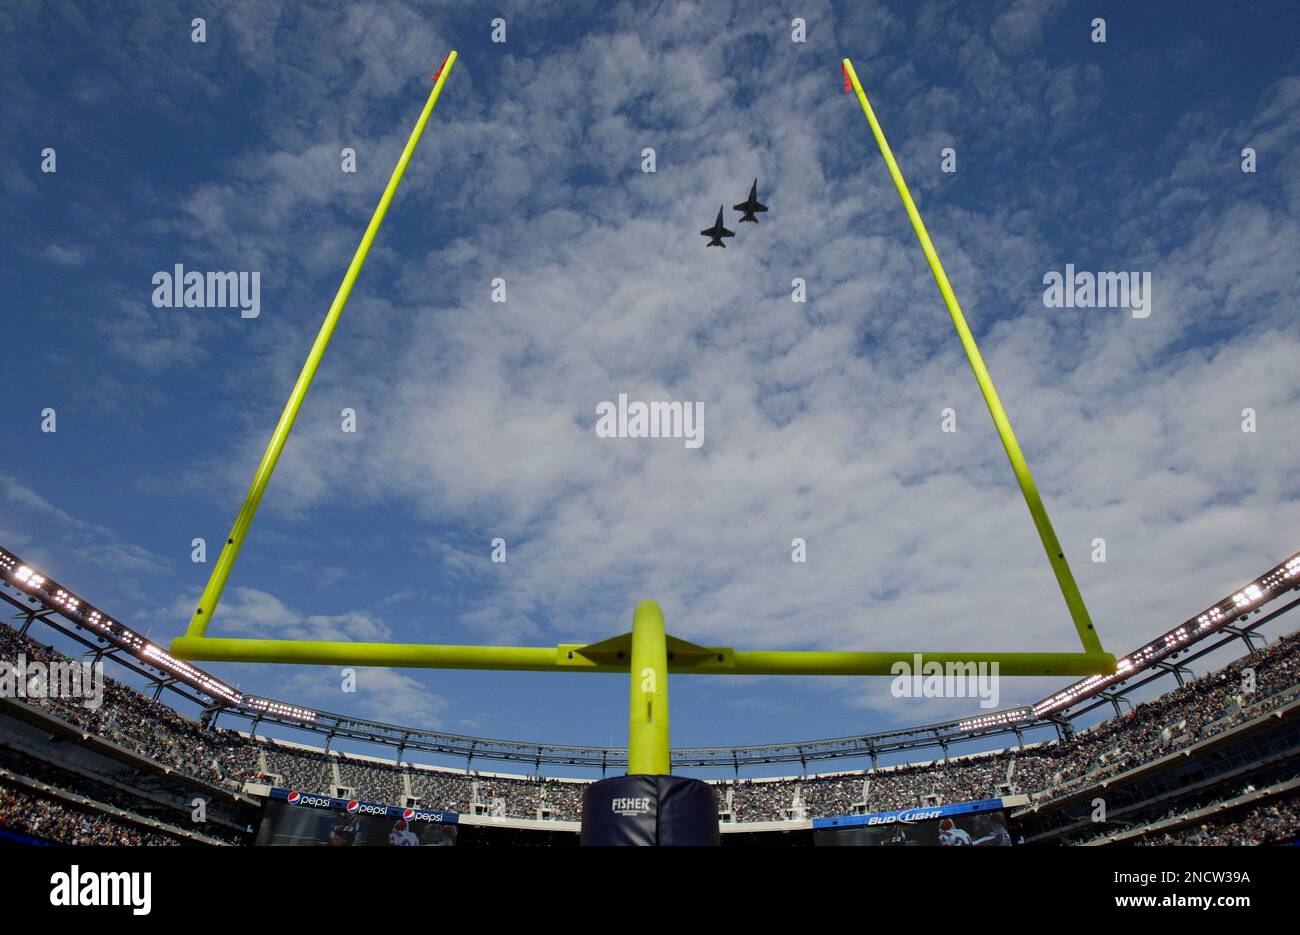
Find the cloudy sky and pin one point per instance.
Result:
(822, 419)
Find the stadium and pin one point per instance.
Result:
(1212, 759)
(404, 401)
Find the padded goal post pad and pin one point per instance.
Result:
(628, 811)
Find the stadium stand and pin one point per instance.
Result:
(1212, 761)
(1210, 706)
(56, 818)
(152, 729)
(1265, 824)
(443, 789)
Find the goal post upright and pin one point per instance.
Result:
(647, 736)
(1055, 554)
(235, 541)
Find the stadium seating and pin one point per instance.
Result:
(66, 810)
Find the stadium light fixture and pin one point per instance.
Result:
(81, 612)
(648, 654)
(1266, 587)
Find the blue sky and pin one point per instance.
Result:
(476, 420)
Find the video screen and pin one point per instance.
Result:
(284, 824)
(985, 829)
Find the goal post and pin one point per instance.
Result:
(244, 519)
(647, 654)
(1019, 466)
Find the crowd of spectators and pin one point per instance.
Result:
(883, 790)
(513, 798)
(1274, 822)
(760, 799)
(1165, 817)
(52, 819)
(442, 790)
(563, 800)
(371, 782)
(1198, 709)
(150, 728)
(131, 801)
(1208, 705)
(297, 768)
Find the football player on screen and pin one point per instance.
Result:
(950, 834)
(992, 830)
(344, 832)
(402, 836)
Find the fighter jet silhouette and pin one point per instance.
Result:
(717, 232)
(751, 204)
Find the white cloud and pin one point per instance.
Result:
(66, 537)
(380, 694)
(1020, 28)
(251, 612)
(60, 255)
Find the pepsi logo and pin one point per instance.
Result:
(293, 798)
(353, 807)
(408, 814)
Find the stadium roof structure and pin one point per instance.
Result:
(37, 599)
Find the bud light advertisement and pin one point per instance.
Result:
(974, 824)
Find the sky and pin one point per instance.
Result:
(823, 419)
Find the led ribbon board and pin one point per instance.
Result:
(647, 653)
